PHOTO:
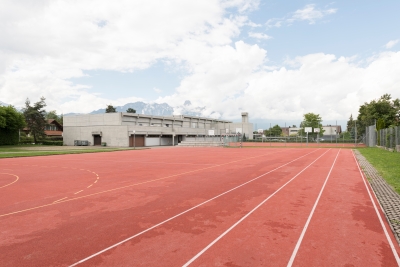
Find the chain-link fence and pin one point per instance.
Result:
(389, 137)
(370, 136)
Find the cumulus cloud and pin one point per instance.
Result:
(259, 35)
(391, 43)
(333, 87)
(46, 43)
(309, 13)
(157, 90)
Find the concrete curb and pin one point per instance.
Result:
(387, 197)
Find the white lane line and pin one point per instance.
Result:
(248, 214)
(78, 192)
(96, 181)
(296, 248)
(90, 186)
(396, 256)
(186, 211)
(60, 199)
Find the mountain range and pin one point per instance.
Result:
(154, 109)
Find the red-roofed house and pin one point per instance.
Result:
(52, 129)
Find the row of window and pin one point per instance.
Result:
(51, 127)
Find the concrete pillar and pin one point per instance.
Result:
(245, 117)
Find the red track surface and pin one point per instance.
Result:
(304, 145)
(203, 206)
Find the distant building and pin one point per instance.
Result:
(130, 129)
(329, 130)
(52, 129)
(290, 131)
(332, 130)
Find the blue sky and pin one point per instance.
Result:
(275, 59)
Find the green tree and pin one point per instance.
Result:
(274, 131)
(11, 121)
(131, 110)
(314, 121)
(35, 117)
(384, 108)
(351, 126)
(110, 109)
(52, 115)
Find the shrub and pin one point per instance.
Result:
(52, 143)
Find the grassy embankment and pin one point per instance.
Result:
(41, 150)
(386, 163)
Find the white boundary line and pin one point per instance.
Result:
(296, 248)
(186, 211)
(396, 256)
(248, 214)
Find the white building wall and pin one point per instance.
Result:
(115, 128)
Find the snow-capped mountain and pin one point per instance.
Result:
(160, 109)
(143, 108)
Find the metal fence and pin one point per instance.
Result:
(370, 136)
(389, 137)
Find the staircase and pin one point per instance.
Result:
(201, 143)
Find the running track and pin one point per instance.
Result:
(192, 207)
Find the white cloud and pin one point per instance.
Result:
(46, 43)
(238, 80)
(157, 90)
(309, 13)
(259, 35)
(391, 43)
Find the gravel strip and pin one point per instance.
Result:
(388, 198)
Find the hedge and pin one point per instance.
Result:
(52, 143)
(8, 137)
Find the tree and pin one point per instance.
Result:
(35, 117)
(351, 126)
(384, 108)
(314, 121)
(131, 110)
(52, 115)
(274, 131)
(110, 109)
(10, 123)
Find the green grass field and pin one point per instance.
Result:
(386, 163)
(41, 150)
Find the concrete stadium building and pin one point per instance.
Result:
(131, 129)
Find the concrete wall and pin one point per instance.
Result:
(115, 128)
(112, 135)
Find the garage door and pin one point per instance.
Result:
(139, 139)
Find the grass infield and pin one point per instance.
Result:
(386, 163)
(41, 150)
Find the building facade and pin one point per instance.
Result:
(131, 129)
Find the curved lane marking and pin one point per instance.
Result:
(11, 182)
(71, 168)
(131, 185)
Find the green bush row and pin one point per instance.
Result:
(8, 137)
(52, 143)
